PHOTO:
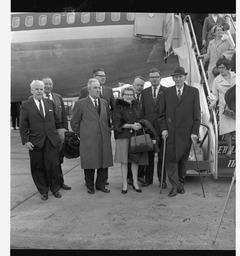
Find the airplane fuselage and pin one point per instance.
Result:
(68, 53)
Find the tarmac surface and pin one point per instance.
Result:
(116, 221)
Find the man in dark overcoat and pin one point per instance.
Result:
(179, 121)
(90, 121)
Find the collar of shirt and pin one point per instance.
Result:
(50, 96)
(181, 90)
(157, 89)
(37, 103)
(93, 100)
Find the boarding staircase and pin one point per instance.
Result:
(211, 148)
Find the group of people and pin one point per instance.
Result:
(168, 115)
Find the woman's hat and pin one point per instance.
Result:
(179, 71)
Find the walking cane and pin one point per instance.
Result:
(198, 166)
(224, 208)
(163, 162)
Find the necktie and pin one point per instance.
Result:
(96, 105)
(154, 91)
(41, 108)
(179, 94)
(138, 97)
(48, 96)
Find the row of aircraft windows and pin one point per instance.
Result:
(70, 18)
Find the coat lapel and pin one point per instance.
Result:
(184, 94)
(36, 107)
(91, 107)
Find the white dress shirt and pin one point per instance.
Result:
(37, 103)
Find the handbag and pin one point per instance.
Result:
(228, 112)
(141, 143)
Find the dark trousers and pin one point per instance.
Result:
(44, 164)
(101, 177)
(150, 168)
(15, 121)
(141, 171)
(159, 170)
(61, 157)
(177, 173)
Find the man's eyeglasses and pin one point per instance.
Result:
(48, 83)
(128, 95)
(101, 75)
(152, 77)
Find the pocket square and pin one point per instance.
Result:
(50, 109)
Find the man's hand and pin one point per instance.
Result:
(164, 134)
(29, 145)
(61, 133)
(194, 138)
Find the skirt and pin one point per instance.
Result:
(122, 153)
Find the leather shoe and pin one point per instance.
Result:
(124, 191)
(105, 190)
(65, 187)
(137, 189)
(181, 190)
(44, 196)
(173, 192)
(91, 191)
(57, 194)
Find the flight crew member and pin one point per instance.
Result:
(138, 85)
(61, 112)
(151, 98)
(91, 122)
(38, 129)
(179, 121)
(105, 93)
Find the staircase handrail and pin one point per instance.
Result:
(213, 114)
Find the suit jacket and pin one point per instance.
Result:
(181, 118)
(35, 128)
(60, 109)
(94, 132)
(150, 109)
(107, 94)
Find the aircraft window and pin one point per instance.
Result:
(71, 18)
(15, 22)
(85, 17)
(100, 16)
(29, 21)
(130, 16)
(56, 19)
(115, 16)
(42, 20)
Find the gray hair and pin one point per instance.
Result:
(127, 87)
(36, 82)
(91, 81)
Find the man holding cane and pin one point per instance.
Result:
(179, 121)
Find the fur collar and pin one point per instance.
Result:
(121, 102)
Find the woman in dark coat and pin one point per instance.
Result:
(126, 120)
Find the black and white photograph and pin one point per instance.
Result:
(122, 130)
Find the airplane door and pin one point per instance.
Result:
(149, 24)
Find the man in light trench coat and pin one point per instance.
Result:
(91, 122)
